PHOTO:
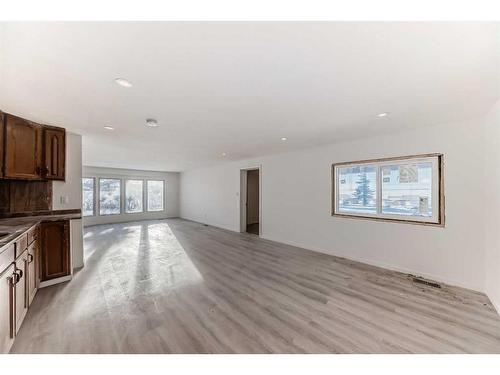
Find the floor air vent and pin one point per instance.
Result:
(420, 280)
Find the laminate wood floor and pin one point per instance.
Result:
(174, 286)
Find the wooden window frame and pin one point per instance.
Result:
(404, 219)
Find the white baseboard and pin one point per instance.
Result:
(370, 262)
(387, 266)
(495, 303)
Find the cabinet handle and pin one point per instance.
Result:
(20, 274)
(30, 258)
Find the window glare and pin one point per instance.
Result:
(87, 196)
(155, 195)
(109, 196)
(133, 196)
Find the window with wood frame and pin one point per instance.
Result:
(406, 189)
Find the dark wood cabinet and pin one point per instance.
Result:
(32, 271)
(43, 249)
(23, 149)
(33, 264)
(54, 140)
(29, 151)
(2, 130)
(55, 250)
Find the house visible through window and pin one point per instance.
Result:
(406, 189)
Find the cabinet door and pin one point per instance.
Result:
(55, 249)
(55, 153)
(21, 289)
(2, 130)
(23, 149)
(7, 328)
(32, 271)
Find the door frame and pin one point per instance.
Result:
(243, 197)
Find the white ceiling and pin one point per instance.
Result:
(239, 87)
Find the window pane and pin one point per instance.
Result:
(133, 196)
(87, 196)
(109, 196)
(155, 195)
(357, 189)
(407, 189)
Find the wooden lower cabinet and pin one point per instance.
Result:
(7, 293)
(40, 254)
(21, 288)
(33, 270)
(55, 250)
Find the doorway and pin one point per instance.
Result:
(250, 201)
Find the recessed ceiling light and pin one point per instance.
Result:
(151, 122)
(284, 139)
(383, 114)
(123, 82)
(109, 128)
(223, 154)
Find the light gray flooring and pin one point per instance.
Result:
(174, 286)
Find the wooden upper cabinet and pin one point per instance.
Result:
(2, 126)
(55, 249)
(23, 149)
(29, 151)
(54, 140)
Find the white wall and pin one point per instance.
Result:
(492, 185)
(68, 194)
(171, 194)
(296, 201)
(71, 189)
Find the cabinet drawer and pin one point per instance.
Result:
(21, 244)
(7, 257)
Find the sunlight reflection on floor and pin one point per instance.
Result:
(149, 251)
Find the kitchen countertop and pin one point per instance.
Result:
(14, 227)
